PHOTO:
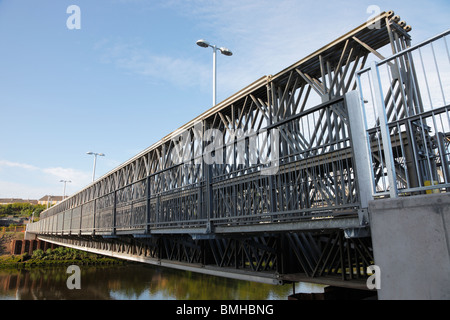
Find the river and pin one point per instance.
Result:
(136, 282)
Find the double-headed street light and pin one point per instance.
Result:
(64, 192)
(205, 44)
(95, 161)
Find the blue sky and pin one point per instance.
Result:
(133, 73)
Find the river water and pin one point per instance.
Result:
(136, 282)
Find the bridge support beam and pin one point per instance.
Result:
(411, 243)
(316, 256)
(360, 152)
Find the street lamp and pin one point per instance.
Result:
(95, 160)
(205, 44)
(48, 199)
(64, 192)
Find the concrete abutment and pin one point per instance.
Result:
(410, 237)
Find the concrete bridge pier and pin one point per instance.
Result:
(411, 243)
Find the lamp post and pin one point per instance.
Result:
(64, 192)
(205, 44)
(95, 161)
(48, 199)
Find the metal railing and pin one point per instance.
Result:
(406, 100)
(314, 178)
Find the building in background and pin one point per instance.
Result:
(50, 200)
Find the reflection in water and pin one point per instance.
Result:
(136, 282)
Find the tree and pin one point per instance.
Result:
(21, 209)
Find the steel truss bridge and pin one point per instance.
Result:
(273, 183)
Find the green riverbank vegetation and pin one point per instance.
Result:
(24, 210)
(56, 257)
